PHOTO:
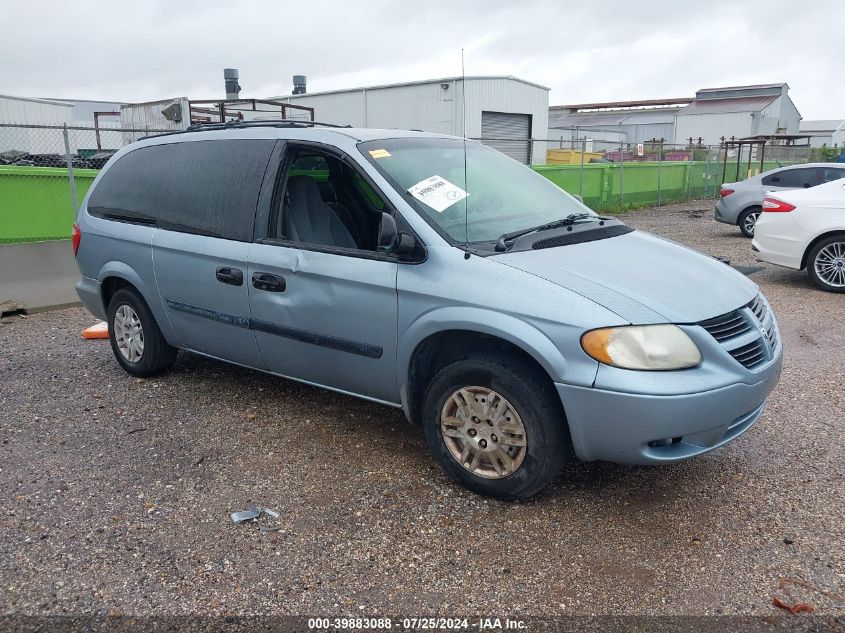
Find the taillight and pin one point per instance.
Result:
(724, 193)
(773, 205)
(75, 238)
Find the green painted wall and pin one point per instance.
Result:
(35, 202)
(610, 186)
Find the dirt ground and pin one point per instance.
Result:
(115, 493)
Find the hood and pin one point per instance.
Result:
(641, 277)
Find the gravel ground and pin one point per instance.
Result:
(115, 492)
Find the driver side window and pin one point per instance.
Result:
(325, 202)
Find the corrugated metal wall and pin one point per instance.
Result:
(711, 127)
(435, 106)
(509, 96)
(148, 116)
(33, 112)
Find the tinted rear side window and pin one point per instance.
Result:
(832, 173)
(205, 187)
(793, 178)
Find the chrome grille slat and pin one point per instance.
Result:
(727, 326)
(727, 332)
(734, 327)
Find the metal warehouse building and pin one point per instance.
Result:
(828, 132)
(503, 110)
(619, 121)
(25, 110)
(738, 111)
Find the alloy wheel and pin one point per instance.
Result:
(830, 264)
(750, 221)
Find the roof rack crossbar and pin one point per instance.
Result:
(201, 127)
(263, 123)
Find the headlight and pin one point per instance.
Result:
(648, 347)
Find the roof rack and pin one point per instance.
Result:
(263, 123)
(202, 127)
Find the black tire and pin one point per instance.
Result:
(818, 281)
(744, 217)
(532, 396)
(157, 355)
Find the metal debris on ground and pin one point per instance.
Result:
(253, 514)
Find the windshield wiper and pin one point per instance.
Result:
(572, 218)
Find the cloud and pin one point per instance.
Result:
(585, 52)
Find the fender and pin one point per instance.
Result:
(123, 271)
(515, 331)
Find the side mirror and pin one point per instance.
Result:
(388, 234)
(390, 240)
(578, 197)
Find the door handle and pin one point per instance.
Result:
(231, 276)
(268, 282)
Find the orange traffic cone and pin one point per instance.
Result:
(101, 330)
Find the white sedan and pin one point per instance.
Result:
(805, 228)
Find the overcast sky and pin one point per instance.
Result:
(584, 51)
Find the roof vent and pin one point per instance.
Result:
(230, 77)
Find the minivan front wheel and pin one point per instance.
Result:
(495, 425)
(748, 220)
(136, 340)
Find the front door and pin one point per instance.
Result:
(323, 301)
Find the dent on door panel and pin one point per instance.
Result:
(335, 322)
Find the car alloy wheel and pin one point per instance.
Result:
(128, 333)
(749, 222)
(829, 264)
(483, 432)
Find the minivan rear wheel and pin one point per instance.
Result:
(136, 340)
(748, 219)
(826, 264)
(495, 425)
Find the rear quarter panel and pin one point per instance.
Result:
(117, 249)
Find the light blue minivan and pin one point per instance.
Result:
(429, 273)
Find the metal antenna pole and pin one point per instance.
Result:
(466, 181)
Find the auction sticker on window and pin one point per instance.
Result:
(438, 193)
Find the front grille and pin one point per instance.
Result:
(761, 311)
(748, 334)
(750, 355)
(727, 326)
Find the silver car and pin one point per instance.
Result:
(429, 273)
(740, 202)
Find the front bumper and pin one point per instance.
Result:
(637, 428)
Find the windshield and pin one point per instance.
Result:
(498, 195)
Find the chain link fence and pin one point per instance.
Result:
(615, 175)
(45, 172)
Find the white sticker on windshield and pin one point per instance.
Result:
(438, 193)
